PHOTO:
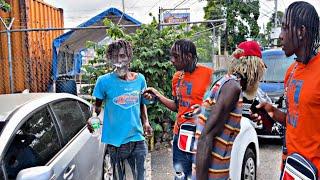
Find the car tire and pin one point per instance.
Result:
(249, 167)
(107, 168)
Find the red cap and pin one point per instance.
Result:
(250, 48)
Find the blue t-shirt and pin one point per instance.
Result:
(122, 122)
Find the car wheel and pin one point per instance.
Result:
(107, 168)
(249, 167)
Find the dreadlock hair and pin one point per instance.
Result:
(250, 68)
(114, 48)
(183, 47)
(299, 14)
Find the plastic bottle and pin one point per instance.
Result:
(95, 124)
(180, 176)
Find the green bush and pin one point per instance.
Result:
(151, 57)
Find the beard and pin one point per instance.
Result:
(122, 71)
(251, 91)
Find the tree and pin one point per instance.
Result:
(241, 18)
(270, 24)
(4, 6)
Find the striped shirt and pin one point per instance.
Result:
(222, 145)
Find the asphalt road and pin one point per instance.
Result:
(269, 169)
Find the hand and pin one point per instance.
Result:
(150, 92)
(147, 129)
(90, 128)
(264, 105)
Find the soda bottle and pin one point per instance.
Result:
(94, 121)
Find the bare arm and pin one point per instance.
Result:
(145, 121)
(227, 100)
(97, 107)
(273, 112)
(169, 103)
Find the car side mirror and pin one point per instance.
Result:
(38, 173)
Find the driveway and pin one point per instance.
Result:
(270, 160)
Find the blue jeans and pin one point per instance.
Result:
(182, 161)
(135, 153)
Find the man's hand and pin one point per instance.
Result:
(90, 128)
(147, 129)
(268, 107)
(150, 93)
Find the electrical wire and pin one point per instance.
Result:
(152, 7)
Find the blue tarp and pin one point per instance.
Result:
(72, 42)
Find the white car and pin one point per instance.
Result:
(245, 153)
(44, 136)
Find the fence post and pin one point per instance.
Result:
(213, 40)
(9, 52)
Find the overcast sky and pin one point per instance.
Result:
(78, 11)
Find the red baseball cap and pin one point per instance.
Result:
(250, 48)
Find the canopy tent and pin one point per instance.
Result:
(67, 59)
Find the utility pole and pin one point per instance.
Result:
(276, 13)
(123, 9)
(213, 40)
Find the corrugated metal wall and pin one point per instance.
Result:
(31, 51)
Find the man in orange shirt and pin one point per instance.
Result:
(189, 85)
(300, 36)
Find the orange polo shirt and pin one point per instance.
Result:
(189, 89)
(303, 118)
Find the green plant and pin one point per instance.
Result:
(151, 57)
(4, 6)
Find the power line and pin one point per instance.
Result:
(194, 2)
(153, 7)
(266, 5)
(134, 4)
(254, 8)
(183, 1)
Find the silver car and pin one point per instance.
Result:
(44, 136)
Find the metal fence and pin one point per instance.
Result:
(26, 60)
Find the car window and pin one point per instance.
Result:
(277, 64)
(70, 117)
(34, 144)
(86, 110)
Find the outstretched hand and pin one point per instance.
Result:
(150, 92)
(270, 109)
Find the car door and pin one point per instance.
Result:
(35, 143)
(87, 150)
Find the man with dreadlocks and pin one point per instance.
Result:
(218, 123)
(125, 118)
(189, 85)
(300, 36)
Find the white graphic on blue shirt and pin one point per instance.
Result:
(127, 100)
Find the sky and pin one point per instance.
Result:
(78, 11)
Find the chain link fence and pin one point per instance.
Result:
(27, 63)
(30, 59)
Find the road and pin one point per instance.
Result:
(270, 159)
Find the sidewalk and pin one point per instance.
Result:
(161, 165)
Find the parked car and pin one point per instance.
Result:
(44, 136)
(272, 88)
(245, 153)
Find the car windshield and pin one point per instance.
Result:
(277, 64)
